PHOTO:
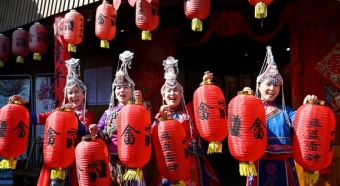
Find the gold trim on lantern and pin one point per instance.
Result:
(20, 59)
(196, 25)
(72, 48)
(260, 10)
(58, 173)
(104, 44)
(178, 183)
(316, 102)
(2, 64)
(8, 163)
(245, 92)
(146, 35)
(215, 147)
(37, 56)
(133, 174)
(206, 83)
(15, 102)
(247, 169)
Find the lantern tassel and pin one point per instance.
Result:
(72, 48)
(215, 147)
(196, 25)
(1, 64)
(104, 44)
(20, 59)
(247, 169)
(310, 177)
(146, 35)
(8, 163)
(178, 183)
(58, 173)
(260, 10)
(133, 174)
(37, 56)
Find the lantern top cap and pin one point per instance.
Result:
(170, 74)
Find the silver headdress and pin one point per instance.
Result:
(270, 72)
(122, 75)
(170, 75)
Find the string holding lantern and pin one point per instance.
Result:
(37, 40)
(313, 139)
(211, 115)
(14, 131)
(4, 49)
(59, 142)
(92, 160)
(20, 44)
(260, 8)
(134, 139)
(105, 26)
(247, 129)
(73, 29)
(197, 11)
(172, 153)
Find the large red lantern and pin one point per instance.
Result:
(73, 29)
(211, 115)
(172, 153)
(20, 44)
(92, 160)
(134, 139)
(247, 137)
(4, 49)
(37, 40)
(146, 17)
(313, 139)
(59, 141)
(260, 7)
(14, 131)
(105, 26)
(197, 11)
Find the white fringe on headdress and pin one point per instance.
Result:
(270, 72)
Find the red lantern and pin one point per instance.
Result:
(73, 29)
(147, 17)
(260, 7)
(59, 142)
(134, 139)
(211, 115)
(92, 160)
(37, 40)
(197, 11)
(247, 129)
(4, 49)
(20, 44)
(14, 130)
(172, 153)
(105, 26)
(313, 139)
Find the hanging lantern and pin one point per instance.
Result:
(146, 17)
(92, 161)
(260, 8)
(37, 40)
(211, 115)
(197, 11)
(172, 153)
(105, 26)
(247, 129)
(59, 142)
(73, 29)
(14, 131)
(20, 44)
(313, 139)
(134, 139)
(4, 49)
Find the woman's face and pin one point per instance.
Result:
(172, 97)
(268, 90)
(123, 93)
(75, 96)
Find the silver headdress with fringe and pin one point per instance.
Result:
(122, 75)
(170, 75)
(73, 67)
(270, 72)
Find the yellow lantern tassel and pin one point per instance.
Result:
(310, 177)
(178, 183)
(133, 174)
(146, 35)
(72, 48)
(104, 44)
(260, 10)
(8, 163)
(58, 173)
(37, 56)
(247, 169)
(1, 64)
(196, 25)
(20, 59)
(215, 147)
